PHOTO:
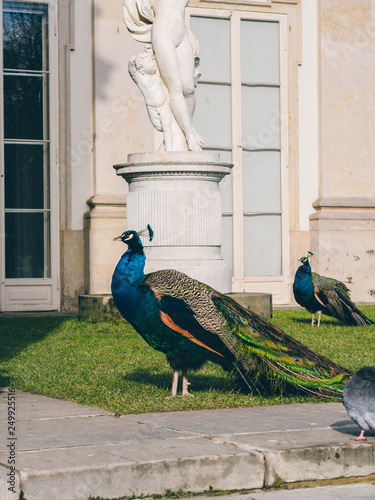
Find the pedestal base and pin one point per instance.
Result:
(94, 308)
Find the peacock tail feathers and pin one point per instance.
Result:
(262, 348)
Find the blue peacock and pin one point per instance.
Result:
(192, 323)
(325, 295)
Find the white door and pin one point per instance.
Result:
(29, 190)
(241, 112)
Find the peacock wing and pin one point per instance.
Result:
(327, 296)
(186, 308)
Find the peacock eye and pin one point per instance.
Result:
(129, 237)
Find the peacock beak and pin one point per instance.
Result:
(118, 238)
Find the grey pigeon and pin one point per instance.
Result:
(358, 398)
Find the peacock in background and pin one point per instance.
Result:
(325, 295)
(191, 323)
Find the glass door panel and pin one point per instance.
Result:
(26, 141)
(239, 113)
(260, 52)
(260, 117)
(24, 173)
(25, 35)
(213, 112)
(27, 245)
(261, 148)
(261, 176)
(262, 244)
(23, 107)
(214, 106)
(213, 35)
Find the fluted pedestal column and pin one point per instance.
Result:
(178, 195)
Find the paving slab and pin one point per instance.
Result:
(69, 451)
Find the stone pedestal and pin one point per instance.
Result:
(101, 307)
(177, 193)
(260, 303)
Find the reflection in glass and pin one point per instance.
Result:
(214, 47)
(26, 148)
(260, 51)
(24, 176)
(27, 245)
(213, 114)
(262, 245)
(261, 117)
(23, 107)
(261, 181)
(24, 35)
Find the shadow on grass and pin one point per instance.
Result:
(307, 321)
(16, 334)
(199, 382)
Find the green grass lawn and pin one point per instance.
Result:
(110, 366)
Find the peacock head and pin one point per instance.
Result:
(305, 260)
(132, 239)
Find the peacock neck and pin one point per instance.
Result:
(131, 266)
(303, 279)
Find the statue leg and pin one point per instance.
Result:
(169, 67)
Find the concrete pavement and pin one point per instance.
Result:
(66, 451)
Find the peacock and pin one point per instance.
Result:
(192, 323)
(325, 295)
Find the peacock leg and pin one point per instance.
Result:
(174, 384)
(319, 315)
(312, 319)
(185, 385)
(361, 437)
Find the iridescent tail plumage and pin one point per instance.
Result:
(267, 356)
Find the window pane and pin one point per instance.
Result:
(27, 243)
(25, 35)
(260, 117)
(212, 116)
(227, 240)
(260, 51)
(214, 46)
(24, 179)
(262, 245)
(261, 181)
(23, 107)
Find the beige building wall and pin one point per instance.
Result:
(342, 228)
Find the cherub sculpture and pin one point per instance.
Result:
(144, 72)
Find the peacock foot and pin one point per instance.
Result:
(185, 386)
(187, 393)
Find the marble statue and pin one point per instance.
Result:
(167, 84)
